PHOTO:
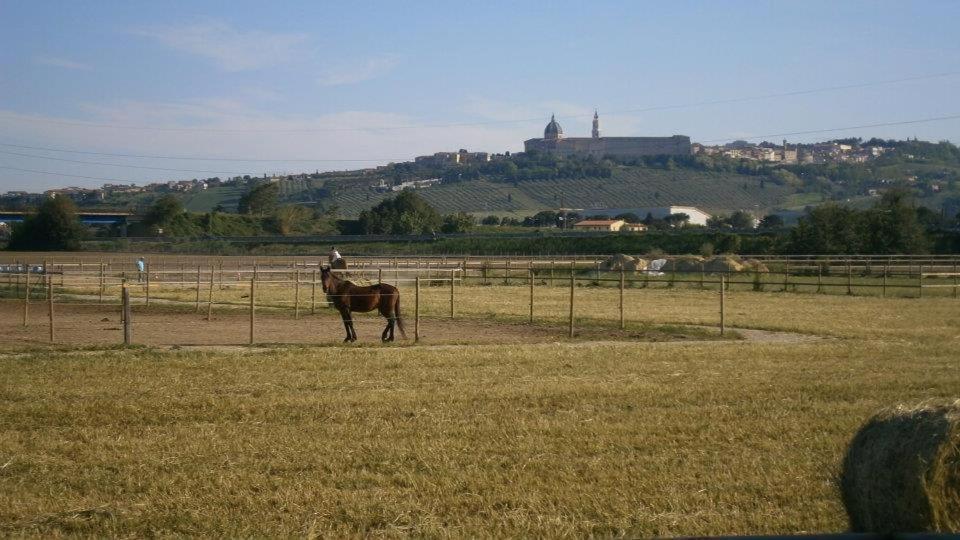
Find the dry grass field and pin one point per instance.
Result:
(558, 438)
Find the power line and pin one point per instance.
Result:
(828, 130)
(370, 160)
(62, 174)
(489, 122)
(125, 166)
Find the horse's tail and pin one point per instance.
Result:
(396, 313)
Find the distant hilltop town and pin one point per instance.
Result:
(554, 142)
(827, 152)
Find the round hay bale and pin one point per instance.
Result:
(754, 265)
(902, 471)
(683, 264)
(723, 263)
(617, 262)
(638, 265)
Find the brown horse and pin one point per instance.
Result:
(347, 298)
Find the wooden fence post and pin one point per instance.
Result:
(849, 278)
(954, 279)
(146, 268)
(572, 285)
(210, 297)
(50, 305)
(197, 301)
(296, 295)
(820, 277)
(920, 281)
(220, 273)
(884, 293)
(127, 313)
(622, 325)
(701, 275)
(100, 300)
(506, 272)
(253, 306)
(26, 296)
(723, 321)
(416, 311)
(313, 294)
(379, 276)
(453, 282)
(530, 273)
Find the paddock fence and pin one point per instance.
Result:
(539, 291)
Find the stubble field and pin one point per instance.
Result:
(558, 438)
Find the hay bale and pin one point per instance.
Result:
(723, 263)
(902, 471)
(638, 265)
(753, 265)
(690, 263)
(617, 262)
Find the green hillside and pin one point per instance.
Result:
(204, 201)
(527, 183)
(628, 186)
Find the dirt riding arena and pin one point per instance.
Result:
(95, 325)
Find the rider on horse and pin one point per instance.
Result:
(335, 260)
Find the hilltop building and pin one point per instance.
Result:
(553, 142)
(461, 157)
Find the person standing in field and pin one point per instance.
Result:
(141, 266)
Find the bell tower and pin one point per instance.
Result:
(596, 124)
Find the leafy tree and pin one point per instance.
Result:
(741, 220)
(827, 229)
(718, 222)
(544, 218)
(490, 220)
(728, 243)
(55, 226)
(680, 219)
(261, 200)
(771, 221)
(167, 213)
(892, 225)
(629, 217)
(407, 213)
(460, 222)
(163, 211)
(291, 218)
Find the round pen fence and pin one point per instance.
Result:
(241, 300)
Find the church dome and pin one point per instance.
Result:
(553, 129)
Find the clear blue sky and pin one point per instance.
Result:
(301, 80)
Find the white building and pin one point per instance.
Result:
(697, 216)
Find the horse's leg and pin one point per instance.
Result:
(347, 324)
(386, 309)
(386, 332)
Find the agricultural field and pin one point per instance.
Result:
(628, 187)
(490, 426)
